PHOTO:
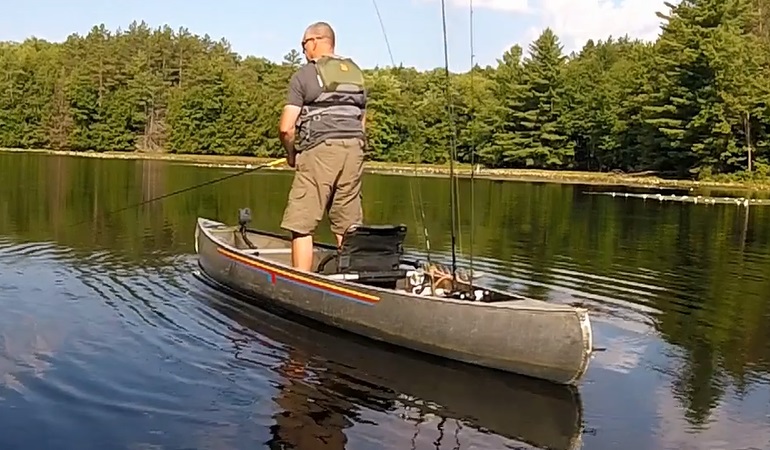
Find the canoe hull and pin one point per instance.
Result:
(527, 337)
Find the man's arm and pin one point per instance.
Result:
(289, 115)
(286, 131)
(363, 119)
(363, 109)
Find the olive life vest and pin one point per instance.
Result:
(336, 113)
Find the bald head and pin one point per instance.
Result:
(321, 30)
(318, 41)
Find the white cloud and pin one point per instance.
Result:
(576, 21)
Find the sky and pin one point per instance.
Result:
(413, 27)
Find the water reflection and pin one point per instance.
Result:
(330, 377)
(308, 419)
(679, 293)
(29, 340)
(26, 350)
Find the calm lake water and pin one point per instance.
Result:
(108, 338)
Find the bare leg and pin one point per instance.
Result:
(339, 239)
(302, 251)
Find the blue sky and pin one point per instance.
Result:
(271, 29)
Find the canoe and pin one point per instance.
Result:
(351, 373)
(370, 287)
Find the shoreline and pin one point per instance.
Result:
(428, 170)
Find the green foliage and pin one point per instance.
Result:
(696, 103)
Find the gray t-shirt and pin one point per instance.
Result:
(304, 87)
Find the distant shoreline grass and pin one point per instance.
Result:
(428, 170)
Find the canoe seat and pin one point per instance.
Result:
(372, 253)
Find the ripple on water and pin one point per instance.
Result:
(28, 251)
(138, 353)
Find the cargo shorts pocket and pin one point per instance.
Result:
(298, 161)
(297, 193)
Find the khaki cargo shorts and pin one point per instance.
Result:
(327, 178)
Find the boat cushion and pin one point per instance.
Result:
(371, 248)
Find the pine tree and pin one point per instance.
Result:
(537, 106)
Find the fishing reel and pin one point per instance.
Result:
(417, 282)
(436, 279)
(244, 217)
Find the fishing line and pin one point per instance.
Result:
(191, 188)
(384, 34)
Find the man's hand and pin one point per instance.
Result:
(291, 159)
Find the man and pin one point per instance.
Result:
(325, 111)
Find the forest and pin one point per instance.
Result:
(694, 104)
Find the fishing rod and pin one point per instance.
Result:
(453, 146)
(426, 235)
(191, 188)
(473, 143)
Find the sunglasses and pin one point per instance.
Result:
(305, 41)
